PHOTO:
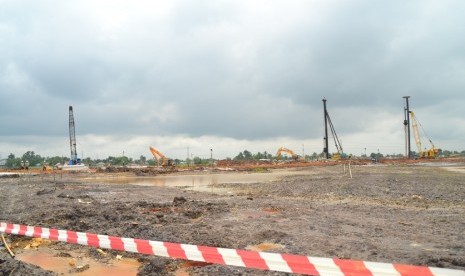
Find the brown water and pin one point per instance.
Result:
(47, 259)
(203, 182)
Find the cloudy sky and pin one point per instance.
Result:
(228, 75)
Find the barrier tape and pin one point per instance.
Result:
(230, 257)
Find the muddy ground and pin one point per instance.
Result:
(412, 214)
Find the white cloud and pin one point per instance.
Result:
(244, 73)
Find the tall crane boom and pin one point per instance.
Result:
(337, 143)
(72, 138)
(423, 153)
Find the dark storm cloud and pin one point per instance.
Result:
(226, 68)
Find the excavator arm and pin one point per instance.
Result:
(288, 151)
(158, 155)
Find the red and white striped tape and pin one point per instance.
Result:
(233, 257)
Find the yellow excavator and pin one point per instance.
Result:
(423, 153)
(288, 151)
(165, 162)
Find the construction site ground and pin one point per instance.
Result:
(410, 212)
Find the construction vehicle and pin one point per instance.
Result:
(288, 151)
(340, 152)
(75, 162)
(72, 139)
(422, 153)
(157, 155)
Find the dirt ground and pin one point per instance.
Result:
(394, 213)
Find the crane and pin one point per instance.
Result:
(340, 152)
(426, 153)
(158, 155)
(288, 151)
(72, 139)
(337, 143)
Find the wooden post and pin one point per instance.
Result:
(350, 171)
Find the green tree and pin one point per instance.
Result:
(119, 161)
(245, 155)
(240, 156)
(33, 159)
(197, 160)
(12, 161)
(142, 159)
(52, 161)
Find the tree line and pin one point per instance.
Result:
(36, 160)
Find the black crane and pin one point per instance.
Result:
(337, 142)
(72, 139)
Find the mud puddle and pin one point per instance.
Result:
(202, 182)
(70, 263)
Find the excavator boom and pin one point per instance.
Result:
(158, 155)
(288, 151)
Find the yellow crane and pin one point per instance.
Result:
(423, 153)
(288, 151)
(158, 155)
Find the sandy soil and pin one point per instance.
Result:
(411, 213)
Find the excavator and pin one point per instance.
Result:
(165, 162)
(423, 153)
(288, 151)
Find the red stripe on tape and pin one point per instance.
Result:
(252, 259)
(211, 254)
(72, 237)
(22, 230)
(300, 264)
(10, 227)
(53, 234)
(37, 232)
(409, 270)
(353, 268)
(116, 243)
(175, 250)
(144, 247)
(92, 240)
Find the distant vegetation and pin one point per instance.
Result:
(36, 160)
(247, 155)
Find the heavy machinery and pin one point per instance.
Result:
(288, 151)
(422, 153)
(165, 162)
(72, 139)
(340, 152)
(74, 162)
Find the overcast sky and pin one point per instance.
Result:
(228, 75)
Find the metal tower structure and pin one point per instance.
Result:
(72, 138)
(337, 142)
(408, 150)
(325, 148)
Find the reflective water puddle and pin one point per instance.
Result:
(72, 263)
(202, 182)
